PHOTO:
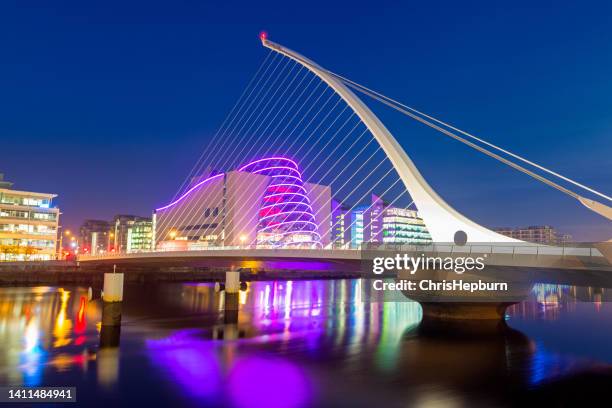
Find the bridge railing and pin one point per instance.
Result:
(573, 250)
(582, 250)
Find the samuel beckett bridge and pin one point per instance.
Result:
(302, 170)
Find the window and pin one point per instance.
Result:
(216, 211)
(207, 212)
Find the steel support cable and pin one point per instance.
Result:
(348, 164)
(365, 178)
(308, 125)
(235, 136)
(326, 130)
(305, 169)
(312, 146)
(233, 155)
(269, 142)
(350, 210)
(248, 136)
(179, 213)
(593, 205)
(394, 103)
(312, 133)
(240, 114)
(229, 115)
(257, 143)
(339, 160)
(218, 140)
(288, 136)
(281, 134)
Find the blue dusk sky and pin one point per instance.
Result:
(109, 103)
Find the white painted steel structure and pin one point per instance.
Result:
(441, 219)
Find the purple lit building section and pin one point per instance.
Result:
(264, 203)
(286, 216)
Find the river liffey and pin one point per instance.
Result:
(302, 344)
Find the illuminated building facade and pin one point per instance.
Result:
(140, 236)
(541, 234)
(403, 226)
(357, 225)
(28, 224)
(372, 219)
(286, 217)
(95, 237)
(340, 231)
(380, 222)
(131, 233)
(264, 203)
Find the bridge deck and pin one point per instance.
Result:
(523, 256)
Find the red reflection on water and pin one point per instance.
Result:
(81, 322)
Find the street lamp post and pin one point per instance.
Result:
(61, 243)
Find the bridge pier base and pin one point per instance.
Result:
(232, 306)
(112, 299)
(465, 310)
(110, 332)
(232, 282)
(232, 303)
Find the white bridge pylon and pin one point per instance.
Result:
(442, 221)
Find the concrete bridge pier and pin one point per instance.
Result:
(110, 332)
(232, 306)
(232, 282)
(484, 304)
(112, 299)
(231, 303)
(474, 311)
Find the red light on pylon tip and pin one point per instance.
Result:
(263, 36)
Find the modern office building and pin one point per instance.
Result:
(357, 226)
(95, 237)
(380, 222)
(140, 236)
(131, 233)
(540, 234)
(403, 226)
(264, 203)
(341, 220)
(28, 224)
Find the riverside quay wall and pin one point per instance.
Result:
(73, 273)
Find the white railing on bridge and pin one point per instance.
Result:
(574, 250)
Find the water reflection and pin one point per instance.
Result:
(300, 343)
(42, 327)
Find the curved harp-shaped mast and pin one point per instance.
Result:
(441, 219)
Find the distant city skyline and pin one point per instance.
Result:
(110, 107)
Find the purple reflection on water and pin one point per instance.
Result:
(189, 361)
(271, 383)
(300, 265)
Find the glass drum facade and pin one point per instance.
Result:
(286, 217)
